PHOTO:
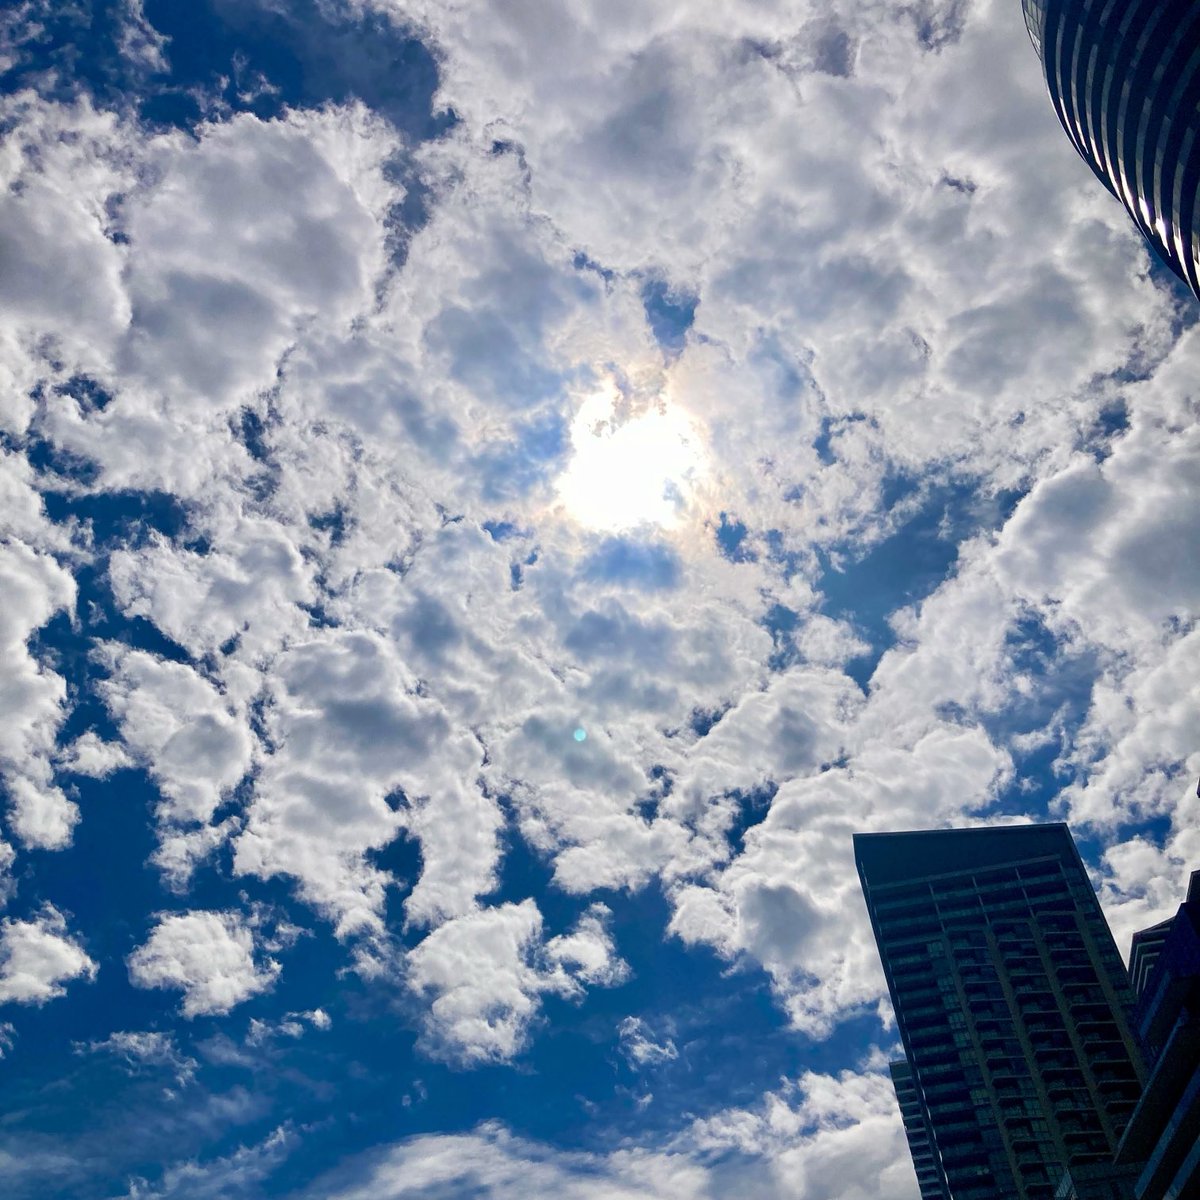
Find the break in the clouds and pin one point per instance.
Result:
(492, 497)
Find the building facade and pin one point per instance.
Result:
(917, 1130)
(1144, 950)
(1124, 76)
(1012, 1004)
(1163, 1135)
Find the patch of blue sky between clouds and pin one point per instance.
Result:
(630, 562)
(183, 64)
(534, 456)
(731, 537)
(670, 311)
(907, 564)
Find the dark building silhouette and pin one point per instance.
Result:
(1124, 76)
(1011, 1001)
(1163, 1135)
(1144, 950)
(1098, 1181)
(917, 1130)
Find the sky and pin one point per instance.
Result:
(493, 495)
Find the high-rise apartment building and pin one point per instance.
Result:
(1011, 1001)
(1144, 950)
(1124, 76)
(917, 1130)
(1163, 1135)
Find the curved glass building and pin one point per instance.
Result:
(1124, 76)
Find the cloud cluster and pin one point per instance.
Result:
(818, 1137)
(923, 507)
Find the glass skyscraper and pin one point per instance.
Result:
(1011, 1001)
(1124, 76)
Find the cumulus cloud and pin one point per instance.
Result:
(193, 741)
(176, 723)
(823, 1135)
(91, 756)
(588, 954)
(32, 698)
(483, 974)
(493, 1162)
(209, 956)
(63, 280)
(352, 733)
(38, 957)
(248, 591)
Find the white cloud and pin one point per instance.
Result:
(38, 958)
(209, 956)
(193, 742)
(824, 1135)
(494, 1163)
(231, 259)
(180, 727)
(62, 283)
(350, 728)
(248, 590)
(89, 755)
(482, 976)
(32, 697)
(588, 953)
(139, 41)
(791, 899)
(477, 974)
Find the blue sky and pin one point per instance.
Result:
(391, 390)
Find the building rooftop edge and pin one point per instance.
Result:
(887, 858)
(960, 830)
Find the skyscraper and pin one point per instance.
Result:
(1163, 1135)
(1011, 1001)
(917, 1130)
(1124, 76)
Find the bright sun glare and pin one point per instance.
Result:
(641, 471)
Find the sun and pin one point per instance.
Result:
(627, 472)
